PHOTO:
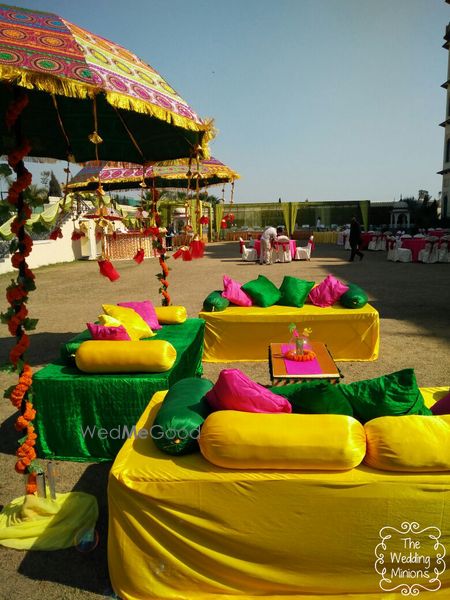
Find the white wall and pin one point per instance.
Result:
(49, 252)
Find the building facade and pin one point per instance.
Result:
(445, 196)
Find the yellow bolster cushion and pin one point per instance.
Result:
(171, 315)
(409, 443)
(243, 440)
(98, 356)
(135, 325)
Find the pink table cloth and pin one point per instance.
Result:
(292, 247)
(415, 245)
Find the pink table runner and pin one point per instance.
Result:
(293, 367)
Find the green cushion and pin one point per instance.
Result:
(215, 302)
(356, 297)
(184, 409)
(315, 397)
(388, 395)
(262, 291)
(294, 291)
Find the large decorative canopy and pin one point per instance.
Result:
(180, 173)
(81, 86)
(66, 93)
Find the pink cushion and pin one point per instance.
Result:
(327, 292)
(232, 291)
(442, 406)
(145, 310)
(235, 391)
(113, 334)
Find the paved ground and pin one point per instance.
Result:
(413, 301)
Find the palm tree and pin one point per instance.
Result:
(36, 196)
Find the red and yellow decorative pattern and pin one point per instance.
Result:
(166, 174)
(37, 46)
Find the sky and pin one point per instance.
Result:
(312, 99)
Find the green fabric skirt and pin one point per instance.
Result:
(87, 417)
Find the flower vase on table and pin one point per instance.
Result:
(299, 341)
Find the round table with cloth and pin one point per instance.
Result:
(292, 247)
(415, 245)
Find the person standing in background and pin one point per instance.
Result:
(318, 224)
(268, 236)
(355, 239)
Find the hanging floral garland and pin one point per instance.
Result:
(17, 292)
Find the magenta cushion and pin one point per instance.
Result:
(146, 310)
(235, 391)
(232, 291)
(327, 292)
(102, 332)
(442, 406)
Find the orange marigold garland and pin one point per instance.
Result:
(16, 316)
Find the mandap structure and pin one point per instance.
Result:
(68, 94)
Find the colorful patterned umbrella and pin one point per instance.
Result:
(168, 174)
(79, 84)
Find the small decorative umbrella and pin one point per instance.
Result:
(66, 93)
(166, 174)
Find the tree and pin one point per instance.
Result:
(54, 189)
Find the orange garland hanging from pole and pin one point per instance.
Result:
(160, 249)
(17, 295)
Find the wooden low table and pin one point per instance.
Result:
(325, 369)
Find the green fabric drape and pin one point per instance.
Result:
(47, 218)
(364, 208)
(218, 213)
(289, 214)
(68, 401)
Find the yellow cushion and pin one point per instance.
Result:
(135, 325)
(170, 315)
(409, 443)
(108, 321)
(242, 440)
(154, 356)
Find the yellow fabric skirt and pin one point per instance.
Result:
(239, 334)
(182, 529)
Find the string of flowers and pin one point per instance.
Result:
(158, 245)
(16, 316)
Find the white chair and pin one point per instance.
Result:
(429, 254)
(372, 245)
(347, 239)
(404, 255)
(282, 251)
(443, 253)
(392, 249)
(248, 254)
(304, 252)
(396, 253)
(381, 243)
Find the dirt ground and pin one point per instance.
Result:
(414, 305)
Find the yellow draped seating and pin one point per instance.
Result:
(244, 334)
(182, 528)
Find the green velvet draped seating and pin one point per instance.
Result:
(84, 417)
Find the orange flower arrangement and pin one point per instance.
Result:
(305, 357)
(16, 316)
